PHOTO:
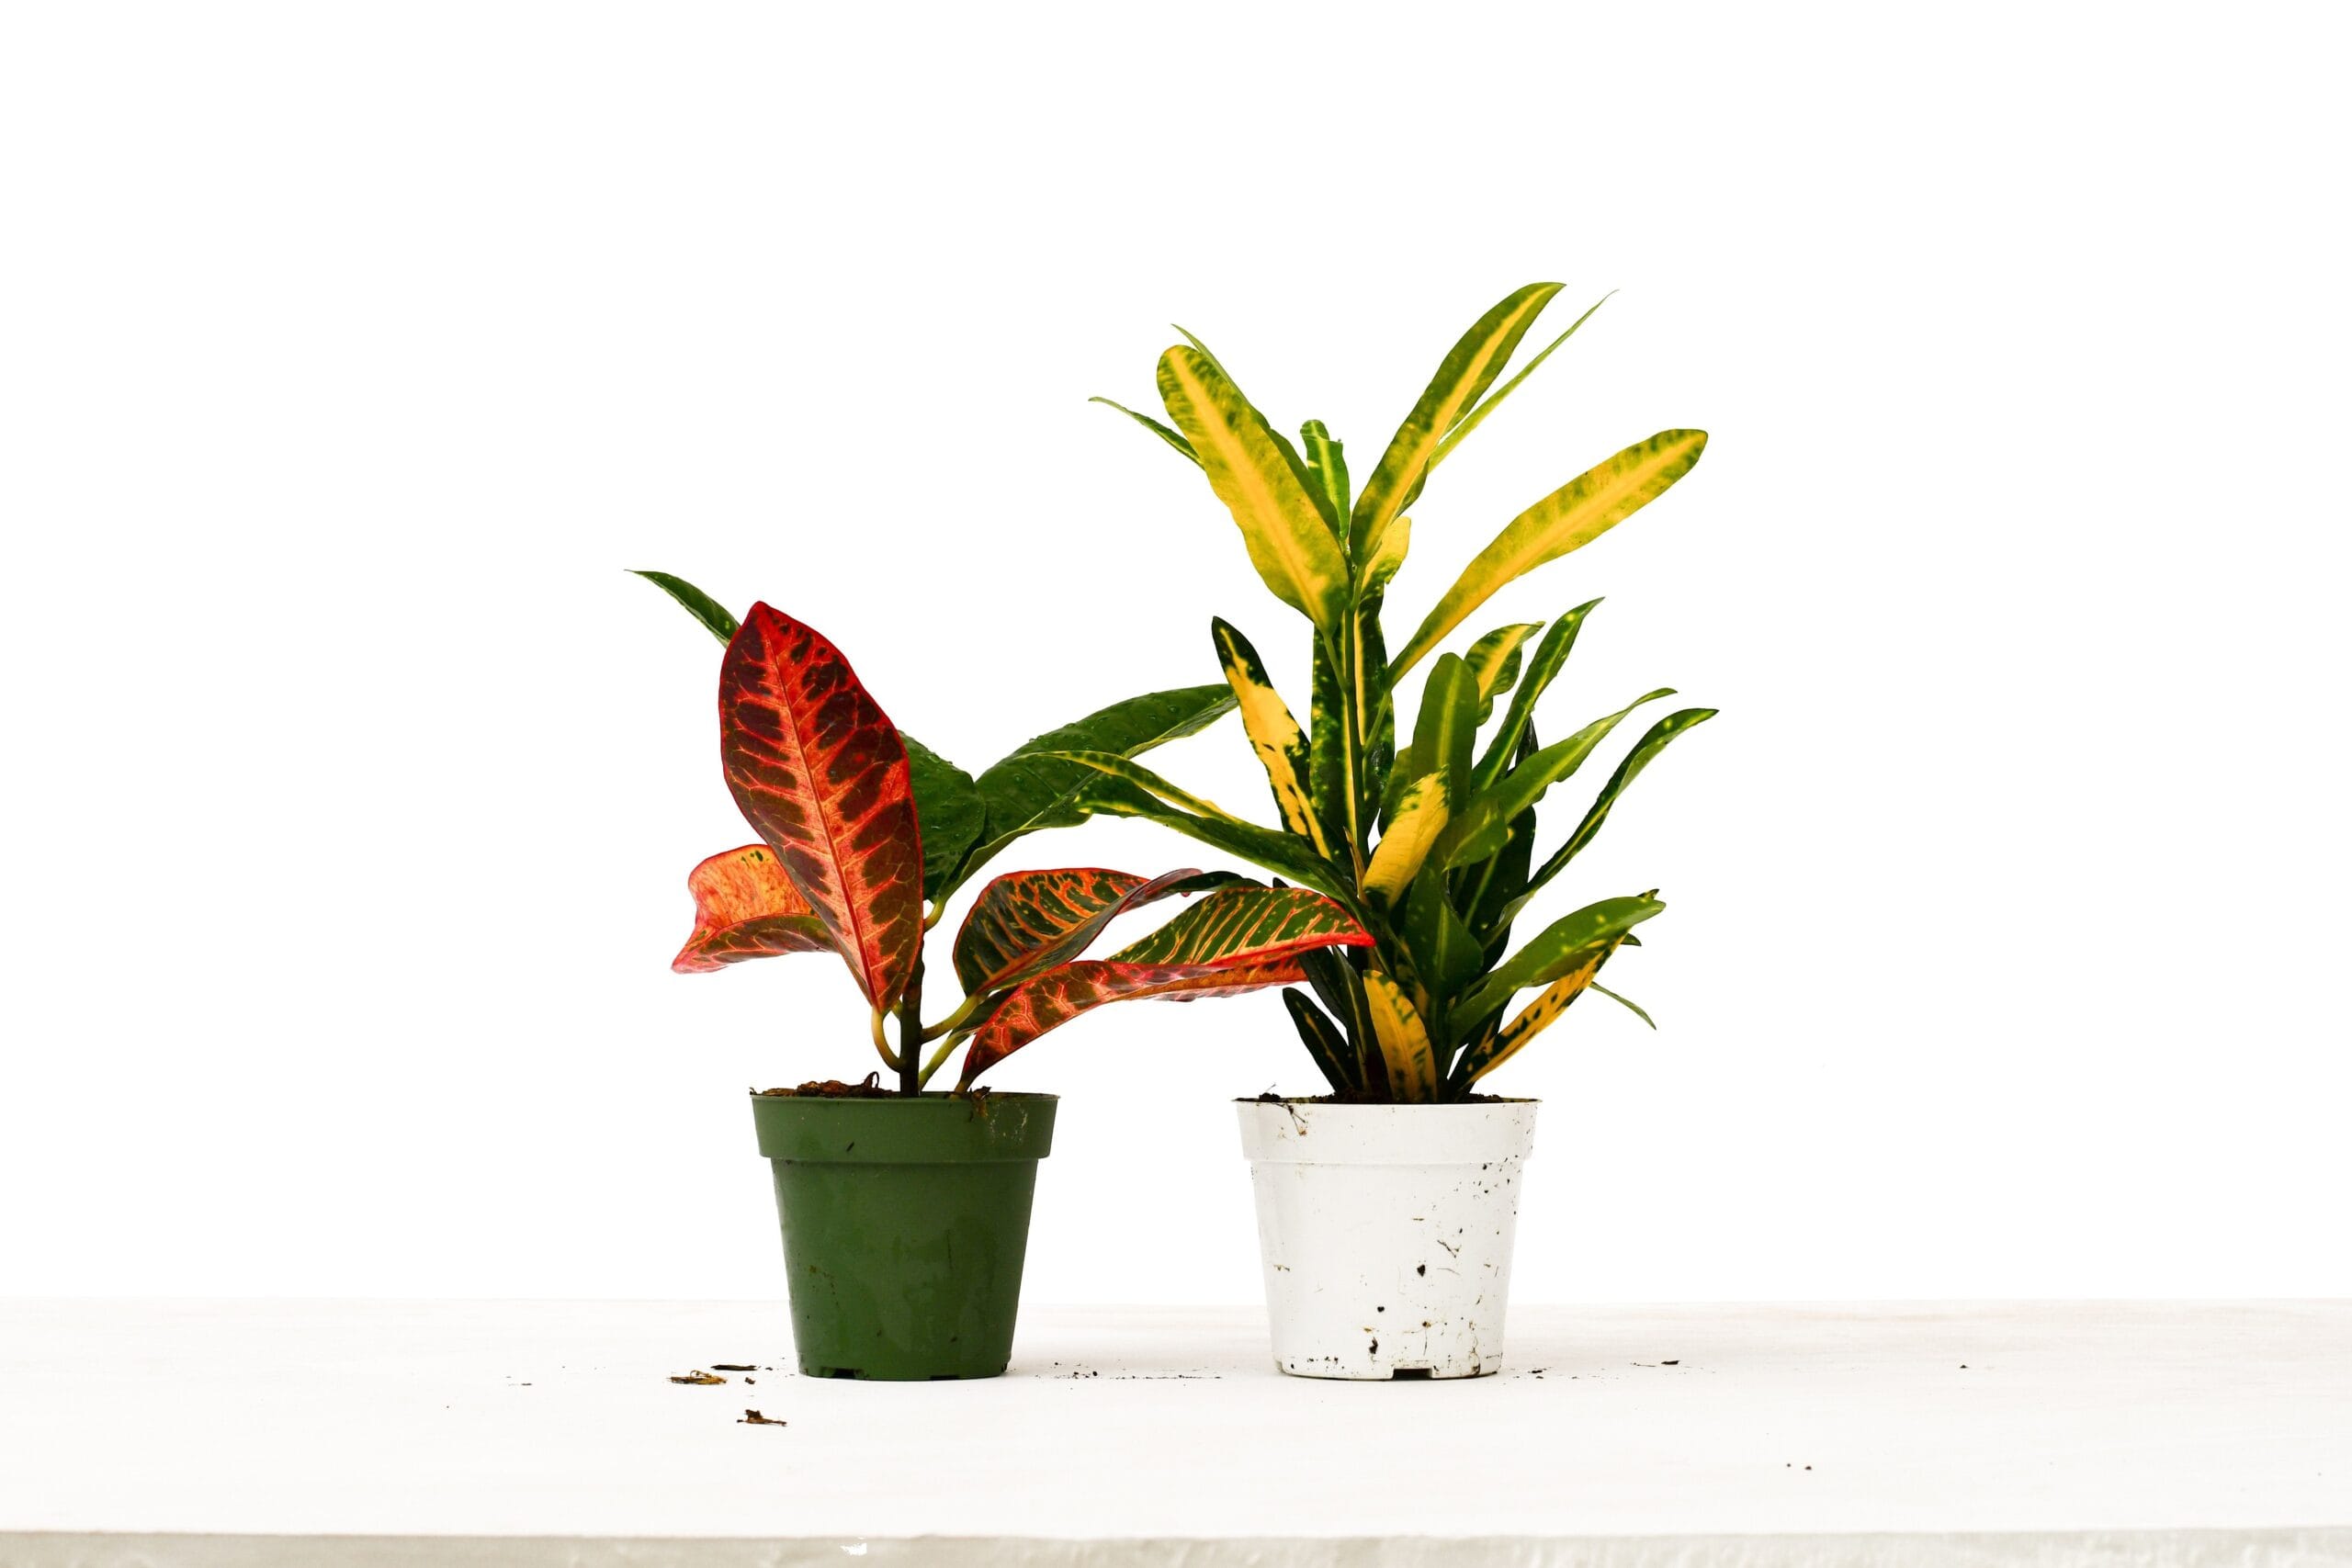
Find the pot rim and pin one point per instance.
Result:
(928, 1096)
(1316, 1102)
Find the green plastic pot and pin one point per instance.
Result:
(905, 1225)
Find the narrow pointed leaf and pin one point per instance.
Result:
(1031, 789)
(1574, 515)
(1250, 471)
(818, 768)
(1404, 848)
(1171, 437)
(1660, 736)
(1476, 416)
(1551, 655)
(1340, 987)
(1332, 784)
(713, 614)
(1152, 785)
(746, 908)
(1445, 956)
(1447, 728)
(1274, 734)
(1494, 660)
(1379, 568)
(1025, 921)
(1558, 949)
(1478, 830)
(1405, 1043)
(1535, 1018)
(1327, 475)
(1285, 855)
(1461, 381)
(1325, 1044)
(1626, 1002)
(948, 809)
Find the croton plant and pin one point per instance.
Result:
(865, 834)
(1428, 846)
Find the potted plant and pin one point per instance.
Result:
(1386, 1207)
(905, 1213)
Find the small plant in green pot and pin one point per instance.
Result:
(1386, 1207)
(905, 1213)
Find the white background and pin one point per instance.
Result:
(348, 354)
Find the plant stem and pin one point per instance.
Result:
(882, 1042)
(954, 1020)
(909, 1063)
(939, 1057)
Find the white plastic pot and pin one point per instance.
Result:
(1386, 1233)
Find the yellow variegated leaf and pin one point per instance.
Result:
(1379, 567)
(1469, 370)
(1574, 515)
(1274, 734)
(1413, 830)
(1289, 543)
(1537, 1016)
(1404, 1039)
(1476, 416)
(1494, 660)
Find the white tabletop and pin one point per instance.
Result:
(2046, 1433)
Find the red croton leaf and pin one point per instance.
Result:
(819, 771)
(1239, 939)
(746, 908)
(1025, 921)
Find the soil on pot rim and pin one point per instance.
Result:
(868, 1088)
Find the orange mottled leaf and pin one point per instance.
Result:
(1053, 998)
(746, 908)
(1025, 921)
(819, 771)
(1238, 939)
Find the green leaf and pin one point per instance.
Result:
(1570, 518)
(1476, 416)
(1445, 956)
(1342, 989)
(1494, 660)
(1156, 428)
(1252, 472)
(1627, 1003)
(1030, 789)
(1660, 736)
(1447, 728)
(1477, 829)
(948, 809)
(1554, 951)
(700, 606)
(1324, 1043)
(1468, 369)
(1327, 476)
(1551, 654)
(1120, 794)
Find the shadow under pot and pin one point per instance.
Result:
(906, 1222)
(1386, 1233)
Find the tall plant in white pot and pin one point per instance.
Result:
(1386, 1206)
